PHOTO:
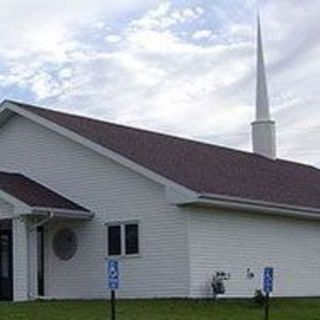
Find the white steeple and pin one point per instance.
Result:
(263, 128)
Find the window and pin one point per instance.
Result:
(114, 240)
(132, 241)
(123, 239)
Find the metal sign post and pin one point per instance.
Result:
(113, 283)
(267, 288)
(113, 305)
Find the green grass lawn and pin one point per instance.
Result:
(288, 309)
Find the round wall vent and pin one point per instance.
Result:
(65, 244)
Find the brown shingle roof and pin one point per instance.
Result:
(199, 166)
(33, 193)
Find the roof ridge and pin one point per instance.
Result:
(148, 131)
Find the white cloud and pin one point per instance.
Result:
(165, 16)
(113, 38)
(202, 34)
(166, 80)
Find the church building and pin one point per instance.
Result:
(76, 192)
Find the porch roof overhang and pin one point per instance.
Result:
(32, 198)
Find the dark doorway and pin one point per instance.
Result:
(40, 259)
(6, 272)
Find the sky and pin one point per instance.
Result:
(182, 67)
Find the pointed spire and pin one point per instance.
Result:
(262, 99)
(263, 128)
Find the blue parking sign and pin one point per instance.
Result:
(113, 274)
(268, 280)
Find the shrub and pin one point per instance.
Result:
(259, 298)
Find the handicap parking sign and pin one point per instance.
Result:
(113, 274)
(268, 280)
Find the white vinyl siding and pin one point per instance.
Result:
(222, 240)
(6, 209)
(113, 193)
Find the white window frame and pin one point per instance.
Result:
(122, 225)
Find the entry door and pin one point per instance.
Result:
(6, 265)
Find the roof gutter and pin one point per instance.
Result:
(64, 213)
(258, 206)
(41, 222)
(240, 204)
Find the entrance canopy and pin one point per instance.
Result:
(32, 198)
(26, 206)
